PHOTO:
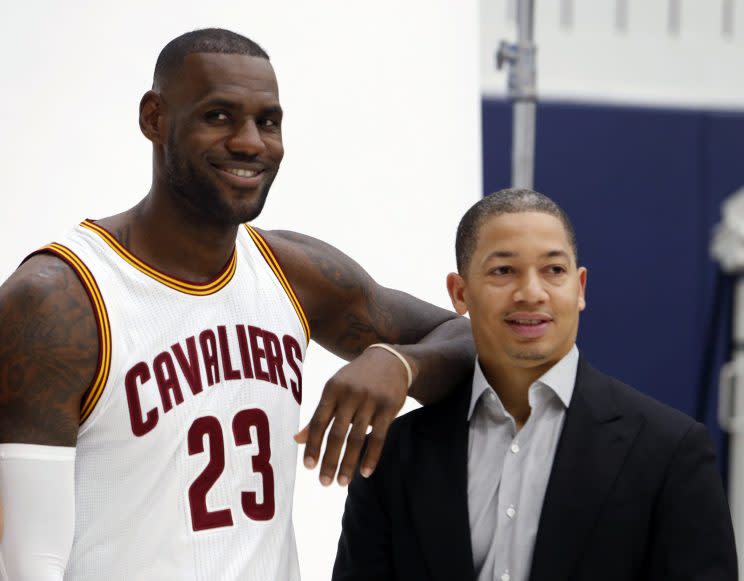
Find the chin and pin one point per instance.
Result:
(249, 211)
(530, 356)
(232, 210)
(246, 206)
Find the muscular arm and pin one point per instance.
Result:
(48, 355)
(349, 311)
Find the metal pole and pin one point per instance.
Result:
(521, 89)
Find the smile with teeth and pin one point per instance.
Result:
(242, 173)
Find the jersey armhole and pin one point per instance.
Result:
(94, 391)
(271, 260)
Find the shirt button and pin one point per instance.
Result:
(505, 577)
(510, 512)
(515, 448)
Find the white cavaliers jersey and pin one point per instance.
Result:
(185, 461)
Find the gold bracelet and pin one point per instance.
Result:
(402, 359)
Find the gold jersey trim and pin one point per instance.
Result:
(94, 392)
(191, 288)
(273, 263)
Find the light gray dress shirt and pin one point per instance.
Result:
(508, 471)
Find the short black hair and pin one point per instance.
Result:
(506, 201)
(214, 40)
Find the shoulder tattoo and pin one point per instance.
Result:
(48, 353)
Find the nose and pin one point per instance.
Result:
(246, 139)
(530, 289)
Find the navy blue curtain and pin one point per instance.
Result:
(644, 188)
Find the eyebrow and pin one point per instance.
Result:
(218, 102)
(273, 110)
(510, 254)
(556, 254)
(224, 103)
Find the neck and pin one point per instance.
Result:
(172, 239)
(512, 385)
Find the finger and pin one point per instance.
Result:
(354, 443)
(380, 426)
(335, 441)
(301, 436)
(316, 429)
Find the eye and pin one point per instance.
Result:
(501, 270)
(557, 269)
(269, 123)
(216, 116)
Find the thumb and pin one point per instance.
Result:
(301, 436)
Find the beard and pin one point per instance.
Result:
(529, 355)
(205, 197)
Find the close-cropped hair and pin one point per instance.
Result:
(506, 201)
(210, 40)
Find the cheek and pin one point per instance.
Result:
(488, 304)
(569, 303)
(277, 149)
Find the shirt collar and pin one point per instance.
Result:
(560, 378)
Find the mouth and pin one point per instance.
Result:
(528, 325)
(240, 175)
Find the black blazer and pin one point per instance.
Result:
(634, 494)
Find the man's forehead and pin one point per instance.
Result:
(202, 73)
(522, 222)
(542, 232)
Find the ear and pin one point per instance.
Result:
(151, 117)
(456, 289)
(582, 288)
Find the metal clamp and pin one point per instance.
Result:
(522, 72)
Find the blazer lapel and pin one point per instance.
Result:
(436, 483)
(594, 442)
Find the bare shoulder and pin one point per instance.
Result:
(331, 288)
(48, 352)
(347, 309)
(314, 263)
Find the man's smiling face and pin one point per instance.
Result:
(224, 142)
(522, 289)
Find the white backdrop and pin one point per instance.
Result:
(382, 137)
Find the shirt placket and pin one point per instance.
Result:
(508, 510)
(511, 485)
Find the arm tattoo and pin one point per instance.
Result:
(364, 318)
(48, 353)
(348, 309)
(335, 272)
(356, 334)
(377, 327)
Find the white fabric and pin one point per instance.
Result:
(135, 495)
(37, 493)
(508, 472)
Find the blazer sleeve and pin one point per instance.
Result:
(692, 535)
(365, 549)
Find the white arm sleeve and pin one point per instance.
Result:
(37, 489)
